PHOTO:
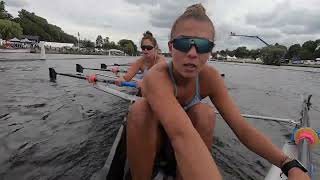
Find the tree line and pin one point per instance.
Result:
(30, 24)
(309, 50)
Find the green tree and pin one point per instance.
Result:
(99, 41)
(272, 55)
(129, 49)
(281, 46)
(3, 13)
(106, 40)
(87, 43)
(10, 29)
(305, 54)
(293, 51)
(241, 52)
(310, 46)
(36, 25)
(318, 42)
(229, 53)
(127, 46)
(223, 53)
(254, 53)
(316, 53)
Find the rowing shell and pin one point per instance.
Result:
(301, 151)
(116, 166)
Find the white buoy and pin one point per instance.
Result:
(43, 51)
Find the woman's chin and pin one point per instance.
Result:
(189, 75)
(148, 56)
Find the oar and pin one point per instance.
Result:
(104, 66)
(290, 121)
(80, 69)
(115, 77)
(53, 76)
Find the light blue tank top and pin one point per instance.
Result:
(141, 75)
(196, 99)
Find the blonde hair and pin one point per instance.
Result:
(148, 35)
(196, 12)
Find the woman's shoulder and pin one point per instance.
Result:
(210, 74)
(139, 62)
(160, 66)
(209, 71)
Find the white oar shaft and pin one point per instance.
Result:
(117, 93)
(267, 118)
(113, 77)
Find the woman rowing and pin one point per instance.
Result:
(171, 99)
(150, 57)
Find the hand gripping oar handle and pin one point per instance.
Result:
(93, 79)
(127, 84)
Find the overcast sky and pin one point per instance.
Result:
(284, 21)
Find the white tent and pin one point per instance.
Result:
(25, 40)
(14, 40)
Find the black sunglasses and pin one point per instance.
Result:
(185, 43)
(146, 47)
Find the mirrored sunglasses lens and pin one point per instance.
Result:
(182, 44)
(203, 45)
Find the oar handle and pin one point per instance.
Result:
(129, 84)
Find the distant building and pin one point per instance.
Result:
(35, 39)
(57, 45)
(115, 52)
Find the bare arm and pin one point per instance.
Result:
(133, 70)
(247, 134)
(193, 157)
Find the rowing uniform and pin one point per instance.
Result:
(166, 158)
(196, 99)
(141, 75)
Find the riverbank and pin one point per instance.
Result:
(303, 65)
(259, 62)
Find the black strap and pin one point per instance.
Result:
(291, 164)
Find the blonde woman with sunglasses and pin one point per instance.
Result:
(171, 100)
(149, 58)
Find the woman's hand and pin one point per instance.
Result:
(92, 79)
(139, 83)
(120, 80)
(297, 174)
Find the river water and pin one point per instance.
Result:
(64, 130)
